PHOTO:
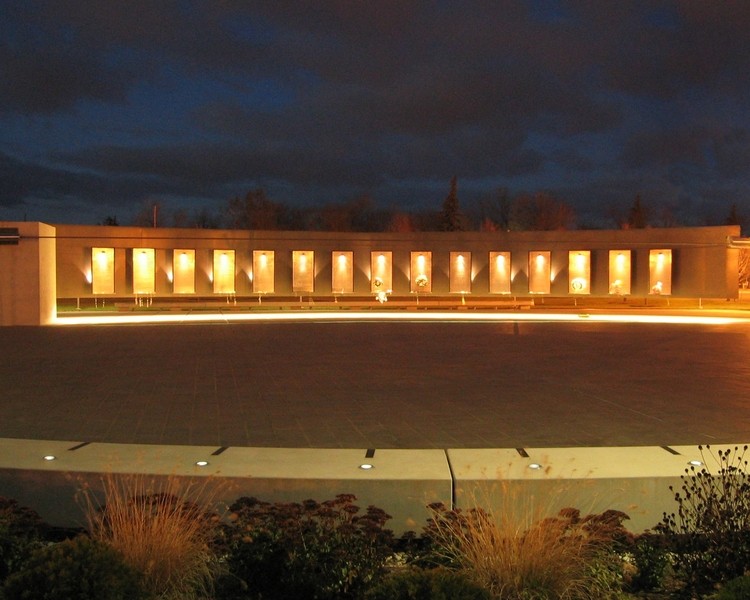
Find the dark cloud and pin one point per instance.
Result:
(663, 148)
(597, 100)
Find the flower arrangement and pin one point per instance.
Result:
(421, 280)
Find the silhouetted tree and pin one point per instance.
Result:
(734, 217)
(401, 223)
(540, 212)
(354, 215)
(149, 215)
(450, 216)
(254, 211)
(488, 226)
(110, 221)
(495, 208)
(637, 216)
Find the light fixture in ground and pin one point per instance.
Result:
(201, 463)
(535, 466)
(49, 457)
(366, 466)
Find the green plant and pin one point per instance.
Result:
(433, 584)
(20, 531)
(735, 589)
(710, 532)
(160, 530)
(566, 556)
(650, 559)
(80, 568)
(306, 550)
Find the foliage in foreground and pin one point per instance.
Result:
(159, 531)
(567, 556)
(310, 550)
(160, 541)
(710, 532)
(21, 529)
(80, 568)
(434, 584)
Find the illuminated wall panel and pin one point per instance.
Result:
(421, 272)
(499, 272)
(619, 272)
(579, 272)
(183, 271)
(103, 270)
(144, 274)
(539, 272)
(342, 275)
(381, 269)
(460, 273)
(263, 271)
(660, 272)
(303, 271)
(224, 272)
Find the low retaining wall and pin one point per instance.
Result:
(634, 480)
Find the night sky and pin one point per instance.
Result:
(108, 106)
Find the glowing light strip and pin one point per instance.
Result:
(367, 316)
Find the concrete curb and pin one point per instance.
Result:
(634, 480)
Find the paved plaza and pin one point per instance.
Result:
(356, 384)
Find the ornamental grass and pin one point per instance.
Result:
(529, 556)
(162, 528)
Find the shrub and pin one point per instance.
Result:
(735, 589)
(20, 531)
(310, 550)
(160, 532)
(650, 560)
(562, 557)
(434, 584)
(710, 532)
(79, 568)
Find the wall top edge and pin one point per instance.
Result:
(609, 236)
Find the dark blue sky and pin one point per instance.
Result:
(107, 106)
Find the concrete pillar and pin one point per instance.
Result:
(27, 274)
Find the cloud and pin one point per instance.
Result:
(324, 100)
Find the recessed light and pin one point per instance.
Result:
(49, 457)
(202, 463)
(696, 463)
(366, 467)
(535, 466)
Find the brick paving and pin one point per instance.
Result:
(378, 385)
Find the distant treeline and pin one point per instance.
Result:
(498, 211)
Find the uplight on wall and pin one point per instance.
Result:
(579, 272)
(660, 272)
(183, 271)
(460, 273)
(421, 273)
(619, 272)
(303, 271)
(539, 272)
(224, 272)
(263, 271)
(103, 270)
(381, 269)
(499, 268)
(342, 272)
(144, 274)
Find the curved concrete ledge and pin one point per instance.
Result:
(634, 480)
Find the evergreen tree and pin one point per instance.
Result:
(450, 216)
(734, 217)
(637, 217)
